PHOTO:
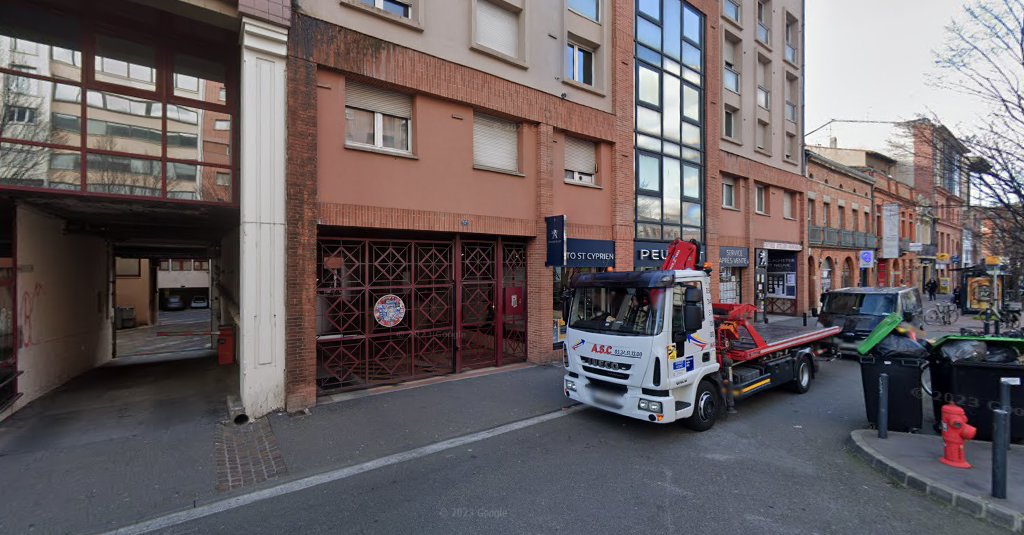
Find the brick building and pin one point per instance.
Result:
(840, 222)
(427, 147)
(757, 203)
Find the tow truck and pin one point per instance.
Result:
(643, 344)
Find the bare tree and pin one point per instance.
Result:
(984, 61)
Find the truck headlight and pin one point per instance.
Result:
(643, 404)
(570, 385)
(649, 406)
(655, 406)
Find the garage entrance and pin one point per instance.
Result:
(393, 310)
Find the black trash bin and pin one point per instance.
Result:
(940, 371)
(976, 385)
(905, 412)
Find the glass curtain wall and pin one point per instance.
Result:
(670, 80)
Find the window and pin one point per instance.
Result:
(395, 7)
(181, 265)
(826, 211)
(65, 162)
(378, 118)
(764, 81)
(790, 53)
(732, 10)
(165, 265)
(497, 28)
(495, 143)
(760, 200)
(855, 220)
(25, 47)
(731, 75)
(202, 265)
(222, 124)
(222, 95)
(791, 146)
(763, 97)
(787, 204)
(728, 193)
(64, 55)
(187, 83)
(580, 160)
(18, 114)
(867, 222)
(579, 64)
(810, 211)
(842, 218)
(728, 126)
(586, 8)
(763, 22)
(22, 84)
(223, 179)
(790, 112)
(763, 135)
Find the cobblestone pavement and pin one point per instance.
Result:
(247, 454)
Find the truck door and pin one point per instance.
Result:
(693, 350)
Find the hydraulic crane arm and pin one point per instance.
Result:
(681, 255)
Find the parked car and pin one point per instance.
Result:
(859, 310)
(174, 302)
(199, 301)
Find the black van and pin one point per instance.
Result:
(859, 310)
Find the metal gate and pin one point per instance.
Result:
(396, 310)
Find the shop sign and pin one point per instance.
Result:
(915, 247)
(993, 260)
(389, 310)
(654, 253)
(955, 260)
(733, 257)
(590, 253)
(891, 231)
(782, 246)
(867, 259)
(942, 258)
(556, 240)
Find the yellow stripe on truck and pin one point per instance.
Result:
(755, 385)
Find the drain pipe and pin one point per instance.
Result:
(236, 411)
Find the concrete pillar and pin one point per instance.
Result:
(262, 200)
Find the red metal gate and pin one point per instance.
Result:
(443, 300)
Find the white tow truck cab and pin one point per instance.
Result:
(641, 344)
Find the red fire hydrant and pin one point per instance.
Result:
(955, 432)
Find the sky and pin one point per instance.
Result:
(870, 60)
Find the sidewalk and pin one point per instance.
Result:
(102, 468)
(913, 461)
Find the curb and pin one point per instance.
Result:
(969, 504)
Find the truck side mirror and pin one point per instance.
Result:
(693, 317)
(693, 295)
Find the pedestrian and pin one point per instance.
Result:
(956, 296)
(931, 286)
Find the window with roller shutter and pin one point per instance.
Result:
(495, 143)
(497, 28)
(580, 160)
(376, 117)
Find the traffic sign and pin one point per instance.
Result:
(867, 259)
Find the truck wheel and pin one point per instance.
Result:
(802, 382)
(706, 410)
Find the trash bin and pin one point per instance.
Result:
(905, 412)
(976, 385)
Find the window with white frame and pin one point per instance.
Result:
(20, 114)
(376, 117)
(495, 143)
(728, 192)
(791, 146)
(25, 47)
(22, 84)
(587, 8)
(732, 9)
(579, 63)
(729, 124)
(731, 76)
(763, 135)
(760, 201)
(221, 124)
(764, 13)
(395, 7)
(580, 160)
(497, 28)
(787, 204)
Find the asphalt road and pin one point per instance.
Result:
(779, 466)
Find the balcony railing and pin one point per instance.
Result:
(815, 235)
(833, 237)
(763, 34)
(870, 241)
(859, 239)
(790, 53)
(846, 238)
(731, 79)
(904, 244)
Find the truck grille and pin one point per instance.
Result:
(608, 365)
(606, 373)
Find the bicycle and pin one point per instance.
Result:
(1010, 317)
(942, 314)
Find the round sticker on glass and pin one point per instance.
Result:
(389, 310)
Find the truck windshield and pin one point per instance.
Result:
(857, 303)
(626, 311)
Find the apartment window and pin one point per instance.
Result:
(223, 179)
(791, 146)
(497, 28)
(842, 218)
(763, 135)
(790, 54)
(165, 265)
(221, 125)
(495, 143)
(731, 75)
(579, 64)
(202, 265)
(826, 210)
(378, 118)
(25, 47)
(867, 222)
(181, 265)
(760, 199)
(64, 55)
(764, 80)
(763, 22)
(763, 97)
(729, 124)
(732, 10)
(790, 112)
(728, 193)
(787, 204)
(586, 8)
(187, 83)
(810, 211)
(18, 114)
(580, 160)
(855, 220)
(22, 84)
(222, 95)
(395, 7)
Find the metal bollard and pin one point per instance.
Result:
(1004, 399)
(985, 327)
(1000, 438)
(805, 319)
(883, 406)
(996, 325)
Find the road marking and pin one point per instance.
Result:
(173, 519)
